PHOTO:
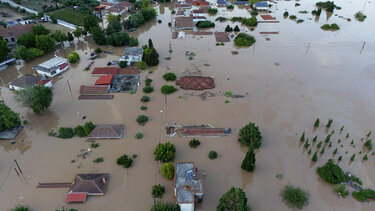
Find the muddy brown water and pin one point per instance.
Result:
(286, 90)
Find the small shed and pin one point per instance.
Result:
(107, 132)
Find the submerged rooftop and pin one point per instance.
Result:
(185, 184)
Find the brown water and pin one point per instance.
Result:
(286, 90)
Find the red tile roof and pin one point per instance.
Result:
(15, 31)
(76, 197)
(104, 80)
(184, 22)
(128, 71)
(94, 89)
(43, 82)
(106, 4)
(200, 3)
(221, 37)
(63, 65)
(105, 70)
(100, 7)
(196, 82)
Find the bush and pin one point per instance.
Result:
(236, 28)
(73, 57)
(294, 197)
(148, 89)
(79, 131)
(253, 13)
(167, 170)
(143, 108)
(360, 16)
(138, 135)
(142, 119)
(230, 7)
(205, 24)
(212, 155)
(250, 135)
(194, 143)
(329, 6)
(148, 81)
(98, 50)
(228, 28)
(145, 98)
(292, 17)
(212, 11)
(316, 124)
(248, 163)
(168, 89)
(141, 65)
(165, 152)
(88, 127)
(340, 189)
(20, 208)
(94, 145)
(234, 199)
(286, 14)
(331, 173)
(157, 191)
(160, 206)
(169, 76)
(315, 157)
(332, 27)
(124, 161)
(244, 40)
(364, 195)
(8, 118)
(133, 41)
(368, 144)
(122, 64)
(66, 132)
(98, 160)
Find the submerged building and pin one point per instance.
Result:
(52, 67)
(132, 55)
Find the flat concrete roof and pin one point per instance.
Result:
(185, 183)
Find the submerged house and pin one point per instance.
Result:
(52, 67)
(29, 80)
(11, 33)
(187, 189)
(261, 6)
(184, 23)
(107, 132)
(132, 55)
(195, 82)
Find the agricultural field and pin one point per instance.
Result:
(69, 15)
(37, 4)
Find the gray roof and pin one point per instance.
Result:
(50, 65)
(90, 183)
(185, 183)
(132, 51)
(25, 80)
(107, 132)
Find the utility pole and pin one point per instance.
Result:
(363, 46)
(254, 49)
(21, 171)
(70, 89)
(308, 47)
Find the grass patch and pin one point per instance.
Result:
(294, 197)
(98, 160)
(69, 15)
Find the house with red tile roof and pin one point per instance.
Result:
(107, 132)
(104, 80)
(52, 67)
(29, 80)
(11, 34)
(105, 70)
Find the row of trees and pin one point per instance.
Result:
(139, 18)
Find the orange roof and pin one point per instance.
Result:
(104, 80)
(76, 197)
(105, 70)
(128, 71)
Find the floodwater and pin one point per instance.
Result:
(287, 85)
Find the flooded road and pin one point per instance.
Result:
(286, 83)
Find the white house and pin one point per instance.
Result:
(29, 80)
(132, 55)
(52, 67)
(261, 6)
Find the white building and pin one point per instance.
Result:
(29, 80)
(52, 67)
(261, 6)
(132, 55)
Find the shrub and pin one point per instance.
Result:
(124, 161)
(205, 24)
(292, 17)
(160, 206)
(332, 27)
(368, 144)
(168, 89)
(221, 19)
(142, 119)
(353, 157)
(315, 157)
(230, 7)
(141, 65)
(88, 127)
(138, 135)
(331, 173)
(20, 208)
(340, 189)
(315, 138)
(94, 145)
(212, 155)
(316, 124)
(98, 160)
(145, 98)
(122, 64)
(286, 14)
(73, 57)
(294, 197)
(236, 28)
(244, 40)
(300, 21)
(157, 191)
(212, 11)
(329, 123)
(302, 139)
(303, 12)
(253, 13)
(148, 81)
(98, 50)
(228, 28)
(169, 76)
(248, 163)
(167, 170)
(165, 152)
(148, 89)
(79, 131)
(364, 195)
(328, 138)
(8, 118)
(360, 16)
(194, 143)
(250, 135)
(234, 199)
(66, 132)
(143, 108)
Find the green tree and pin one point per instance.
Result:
(113, 27)
(40, 30)
(158, 191)
(250, 135)
(59, 36)
(142, 119)
(314, 157)
(112, 17)
(124, 161)
(244, 40)
(167, 89)
(98, 35)
(53, 19)
(165, 152)
(160, 206)
(8, 118)
(27, 40)
(150, 56)
(20, 208)
(294, 197)
(70, 36)
(44, 43)
(236, 28)
(37, 98)
(88, 127)
(228, 28)
(4, 50)
(73, 57)
(118, 39)
(167, 170)
(316, 124)
(40, 14)
(194, 143)
(234, 199)
(170, 76)
(78, 32)
(89, 22)
(331, 173)
(248, 163)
